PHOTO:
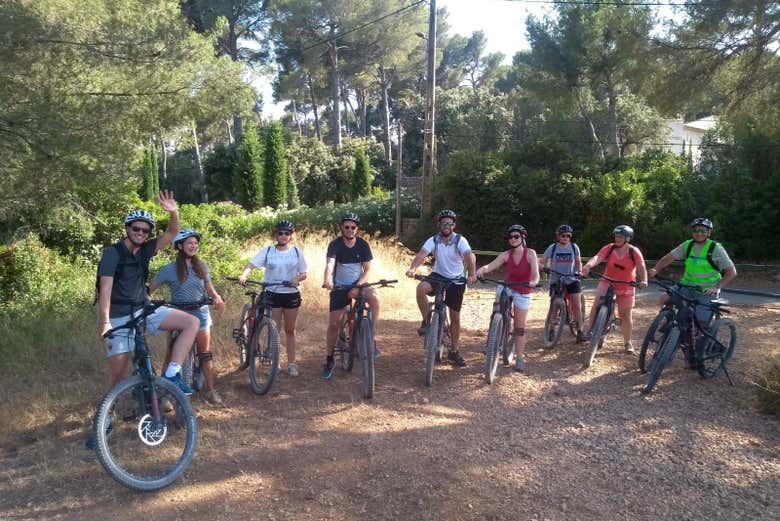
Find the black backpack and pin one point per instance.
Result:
(437, 240)
(124, 259)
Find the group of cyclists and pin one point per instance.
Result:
(124, 267)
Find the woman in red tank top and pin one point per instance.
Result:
(522, 267)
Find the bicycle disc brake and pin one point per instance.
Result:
(152, 432)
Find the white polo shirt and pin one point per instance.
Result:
(449, 260)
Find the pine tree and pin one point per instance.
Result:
(361, 176)
(275, 175)
(248, 172)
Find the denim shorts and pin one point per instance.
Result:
(203, 316)
(123, 341)
(521, 301)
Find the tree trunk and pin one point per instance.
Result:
(346, 111)
(333, 57)
(229, 132)
(614, 139)
(595, 143)
(385, 77)
(360, 95)
(164, 158)
(354, 113)
(238, 124)
(295, 118)
(314, 107)
(199, 163)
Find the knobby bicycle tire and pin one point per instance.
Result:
(598, 332)
(572, 324)
(555, 322)
(493, 346)
(365, 342)
(431, 346)
(344, 346)
(264, 356)
(242, 342)
(191, 370)
(122, 452)
(653, 338)
(507, 343)
(714, 352)
(662, 357)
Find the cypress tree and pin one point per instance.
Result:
(293, 201)
(248, 172)
(361, 176)
(149, 179)
(275, 175)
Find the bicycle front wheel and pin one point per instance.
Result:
(365, 341)
(264, 356)
(653, 338)
(242, 338)
(343, 345)
(662, 357)
(597, 334)
(493, 346)
(555, 322)
(431, 346)
(138, 448)
(715, 350)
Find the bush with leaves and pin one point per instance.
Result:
(247, 179)
(361, 176)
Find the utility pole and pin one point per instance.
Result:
(399, 165)
(429, 142)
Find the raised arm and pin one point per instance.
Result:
(168, 203)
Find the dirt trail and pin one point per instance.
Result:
(559, 443)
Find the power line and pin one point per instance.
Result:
(610, 2)
(361, 26)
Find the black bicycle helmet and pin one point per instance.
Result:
(444, 214)
(565, 228)
(351, 216)
(516, 228)
(183, 236)
(624, 230)
(284, 226)
(702, 221)
(139, 215)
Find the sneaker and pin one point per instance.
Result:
(292, 370)
(421, 329)
(454, 357)
(520, 364)
(178, 382)
(327, 369)
(629, 347)
(582, 337)
(213, 397)
(91, 443)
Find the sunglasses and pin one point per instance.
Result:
(346, 227)
(447, 225)
(515, 236)
(141, 229)
(283, 232)
(700, 230)
(565, 236)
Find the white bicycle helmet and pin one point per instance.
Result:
(139, 215)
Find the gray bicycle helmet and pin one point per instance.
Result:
(516, 228)
(285, 226)
(565, 228)
(183, 236)
(702, 221)
(444, 214)
(624, 230)
(139, 215)
(351, 216)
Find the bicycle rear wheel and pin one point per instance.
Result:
(243, 337)
(343, 345)
(572, 324)
(555, 322)
(597, 334)
(191, 371)
(431, 346)
(264, 356)
(134, 448)
(365, 342)
(653, 338)
(715, 350)
(508, 343)
(493, 347)
(662, 357)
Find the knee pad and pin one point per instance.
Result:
(520, 331)
(205, 357)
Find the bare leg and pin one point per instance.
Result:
(203, 339)
(187, 325)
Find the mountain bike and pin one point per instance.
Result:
(500, 338)
(356, 335)
(559, 314)
(605, 318)
(708, 345)
(257, 338)
(191, 369)
(437, 331)
(138, 442)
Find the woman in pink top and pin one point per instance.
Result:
(522, 267)
(624, 263)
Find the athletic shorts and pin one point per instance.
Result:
(521, 301)
(204, 317)
(703, 313)
(572, 287)
(339, 299)
(453, 295)
(285, 300)
(123, 341)
(624, 294)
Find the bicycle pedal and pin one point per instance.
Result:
(238, 334)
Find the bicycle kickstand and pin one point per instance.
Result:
(726, 372)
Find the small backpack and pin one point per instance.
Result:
(437, 241)
(630, 253)
(123, 261)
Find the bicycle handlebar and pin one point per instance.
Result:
(572, 275)
(613, 281)
(262, 284)
(508, 284)
(152, 306)
(382, 283)
(672, 287)
(440, 279)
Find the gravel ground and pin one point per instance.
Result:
(559, 443)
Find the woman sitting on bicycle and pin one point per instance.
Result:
(624, 263)
(188, 278)
(563, 256)
(283, 262)
(522, 267)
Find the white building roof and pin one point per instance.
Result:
(703, 124)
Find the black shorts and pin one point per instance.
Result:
(285, 300)
(453, 295)
(572, 287)
(339, 299)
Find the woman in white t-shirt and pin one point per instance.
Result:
(282, 262)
